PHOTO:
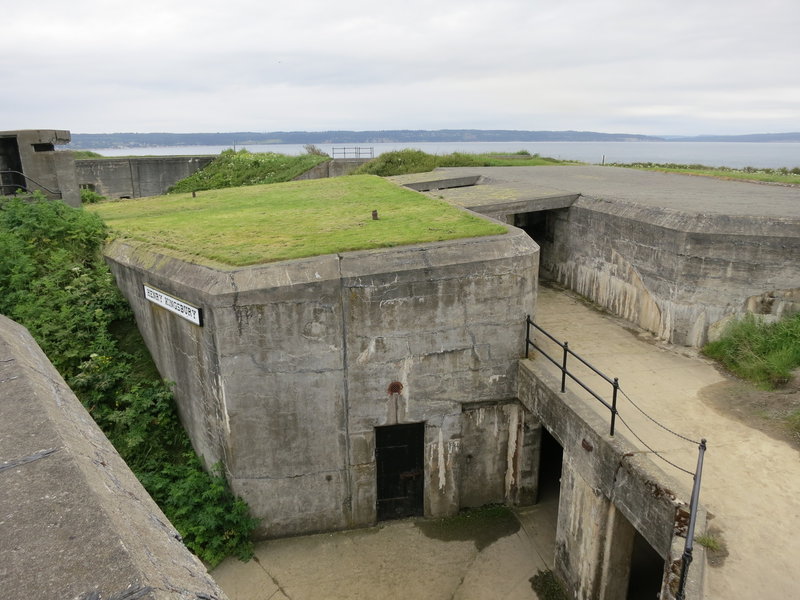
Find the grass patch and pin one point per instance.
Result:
(261, 224)
(782, 175)
(403, 162)
(710, 542)
(547, 587)
(85, 154)
(765, 353)
(232, 169)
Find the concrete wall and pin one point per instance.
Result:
(608, 491)
(136, 177)
(75, 520)
(47, 170)
(290, 372)
(679, 275)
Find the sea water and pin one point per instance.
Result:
(714, 154)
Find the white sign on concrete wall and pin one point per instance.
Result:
(172, 304)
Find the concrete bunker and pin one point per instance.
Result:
(302, 370)
(338, 390)
(30, 162)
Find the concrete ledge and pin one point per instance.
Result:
(444, 184)
(75, 520)
(653, 502)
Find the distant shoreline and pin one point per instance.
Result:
(81, 141)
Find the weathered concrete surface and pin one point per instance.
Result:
(751, 481)
(290, 373)
(674, 273)
(608, 490)
(136, 177)
(677, 255)
(73, 518)
(32, 152)
(393, 561)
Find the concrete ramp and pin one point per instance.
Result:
(76, 523)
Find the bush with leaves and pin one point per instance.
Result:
(53, 280)
(765, 353)
(232, 169)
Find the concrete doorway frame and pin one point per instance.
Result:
(400, 471)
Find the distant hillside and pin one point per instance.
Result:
(753, 137)
(138, 140)
(240, 138)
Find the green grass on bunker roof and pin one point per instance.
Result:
(267, 223)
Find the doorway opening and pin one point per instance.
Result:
(541, 226)
(11, 178)
(399, 463)
(551, 457)
(647, 571)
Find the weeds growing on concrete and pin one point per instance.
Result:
(547, 587)
(710, 542)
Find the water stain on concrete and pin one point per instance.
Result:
(483, 526)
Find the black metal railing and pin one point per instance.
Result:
(14, 186)
(353, 152)
(565, 372)
(686, 558)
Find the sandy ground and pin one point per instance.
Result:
(751, 488)
(751, 481)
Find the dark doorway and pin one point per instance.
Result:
(10, 160)
(551, 458)
(399, 464)
(647, 571)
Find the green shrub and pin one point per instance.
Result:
(83, 154)
(53, 280)
(232, 169)
(90, 196)
(765, 353)
(402, 162)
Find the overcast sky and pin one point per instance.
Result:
(680, 67)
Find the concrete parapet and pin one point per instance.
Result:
(136, 177)
(75, 520)
(674, 273)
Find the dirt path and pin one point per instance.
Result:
(751, 480)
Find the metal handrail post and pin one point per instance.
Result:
(614, 405)
(688, 547)
(527, 335)
(564, 368)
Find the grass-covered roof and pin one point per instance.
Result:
(266, 223)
